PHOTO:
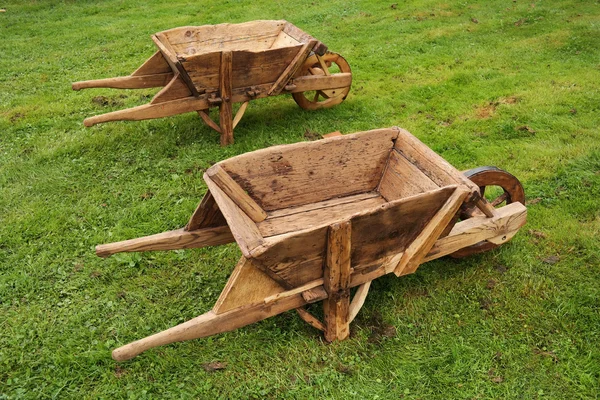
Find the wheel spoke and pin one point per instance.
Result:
(323, 94)
(316, 99)
(498, 200)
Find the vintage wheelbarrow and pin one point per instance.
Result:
(315, 219)
(208, 66)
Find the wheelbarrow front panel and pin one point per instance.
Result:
(294, 175)
(249, 68)
(377, 233)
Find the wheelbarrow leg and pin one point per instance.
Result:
(225, 108)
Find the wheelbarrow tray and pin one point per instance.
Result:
(315, 219)
(217, 65)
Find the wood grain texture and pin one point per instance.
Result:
(176, 88)
(206, 215)
(420, 246)
(303, 37)
(303, 173)
(336, 279)
(172, 240)
(244, 230)
(156, 64)
(402, 179)
(358, 300)
(291, 68)
(235, 193)
(226, 107)
(126, 82)
(246, 285)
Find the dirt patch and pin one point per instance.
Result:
(310, 135)
(487, 110)
(104, 101)
(16, 116)
(214, 366)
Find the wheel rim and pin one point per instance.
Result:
(500, 188)
(316, 99)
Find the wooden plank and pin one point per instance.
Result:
(206, 36)
(206, 215)
(203, 70)
(169, 55)
(172, 240)
(317, 217)
(508, 220)
(429, 162)
(391, 227)
(310, 319)
(323, 204)
(303, 37)
(306, 83)
(403, 179)
(175, 89)
(246, 285)
(336, 281)
(291, 69)
(156, 64)
(126, 82)
(284, 40)
(235, 193)
(358, 300)
(303, 173)
(255, 68)
(413, 255)
(244, 230)
(225, 107)
(292, 292)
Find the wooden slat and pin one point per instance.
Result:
(246, 285)
(294, 291)
(235, 193)
(336, 281)
(225, 108)
(317, 217)
(156, 64)
(320, 82)
(303, 37)
(323, 204)
(172, 240)
(291, 69)
(303, 173)
(206, 215)
(435, 167)
(403, 179)
(244, 230)
(413, 255)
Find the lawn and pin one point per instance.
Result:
(514, 84)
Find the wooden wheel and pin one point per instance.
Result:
(330, 63)
(499, 188)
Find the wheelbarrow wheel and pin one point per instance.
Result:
(315, 99)
(500, 188)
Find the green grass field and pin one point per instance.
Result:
(514, 84)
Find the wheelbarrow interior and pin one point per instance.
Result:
(250, 36)
(371, 178)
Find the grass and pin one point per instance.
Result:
(513, 84)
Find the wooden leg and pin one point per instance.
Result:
(336, 282)
(225, 108)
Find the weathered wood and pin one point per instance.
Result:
(292, 292)
(358, 300)
(235, 193)
(414, 253)
(310, 319)
(402, 179)
(244, 230)
(175, 89)
(172, 240)
(156, 64)
(246, 285)
(240, 113)
(336, 281)
(309, 172)
(170, 57)
(291, 68)
(126, 82)
(317, 217)
(303, 37)
(284, 40)
(208, 121)
(206, 215)
(466, 233)
(429, 162)
(225, 108)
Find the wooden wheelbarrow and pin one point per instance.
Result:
(315, 219)
(208, 66)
